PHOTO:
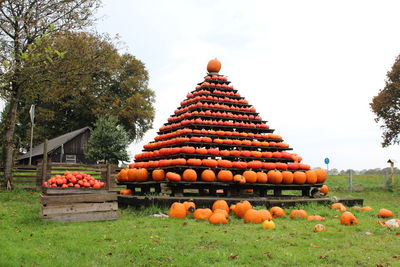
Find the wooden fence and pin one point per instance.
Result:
(32, 176)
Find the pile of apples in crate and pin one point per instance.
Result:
(73, 179)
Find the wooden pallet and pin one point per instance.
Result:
(98, 206)
(213, 188)
(206, 202)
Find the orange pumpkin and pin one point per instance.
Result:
(299, 177)
(265, 214)
(132, 175)
(142, 175)
(208, 176)
(324, 190)
(125, 192)
(274, 177)
(225, 176)
(158, 175)
(214, 65)
(122, 176)
(287, 177)
(189, 206)
(177, 210)
(220, 204)
(238, 178)
(252, 216)
(194, 162)
(241, 208)
(298, 214)
(262, 177)
(172, 176)
(339, 207)
(319, 228)
(385, 213)
(277, 212)
(212, 163)
(347, 218)
(366, 208)
(315, 218)
(322, 175)
(202, 214)
(189, 175)
(222, 211)
(218, 218)
(311, 177)
(250, 176)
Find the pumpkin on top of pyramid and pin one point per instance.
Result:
(216, 135)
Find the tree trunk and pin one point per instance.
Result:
(8, 145)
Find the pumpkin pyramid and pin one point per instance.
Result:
(216, 135)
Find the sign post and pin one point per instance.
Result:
(327, 164)
(32, 115)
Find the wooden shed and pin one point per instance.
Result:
(67, 148)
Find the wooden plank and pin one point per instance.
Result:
(33, 182)
(65, 191)
(57, 199)
(52, 209)
(21, 177)
(84, 217)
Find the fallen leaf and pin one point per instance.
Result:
(184, 224)
(233, 256)
(109, 254)
(368, 233)
(323, 257)
(379, 265)
(314, 246)
(268, 254)
(202, 247)
(395, 257)
(398, 234)
(18, 231)
(107, 239)
(155, 242)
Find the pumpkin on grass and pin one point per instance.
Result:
(298, 214)
(202, 214)
(347, 218)
(177, 210)
(315, 218)
(223, 211)
(218, 218)
(277, 212)
(252, 216)
(319, 228)
(268, 224)
(241, 208)
(338, 206)
(366, 208)
(189, 206)
(385, 213)
(220, 204)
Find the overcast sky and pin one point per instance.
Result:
(310, 68)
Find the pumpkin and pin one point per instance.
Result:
(125, 192)
(208, 176)
(322, 175)
(172, 176)
(315, 218)
(189, 206)
(274, 177)
(212, 163)
(298, 214)
(132, 175)
(347, 218)
(241, 208)
(252, 216)
(339, 207)
(268, 224)
(299, 177)
(194, 162)
(262, 177)
(311, 177)
(141, 175)
(319, 228)
(238, 178)
(224, 163)
(366, 208)
(287, 177)
(189, 175)
(218, 218)
(277, 212)
(220, 204)
(324, 190)
(385, 213)
(122, 176)
(250, 176)
(214, 65)
(225, 176)
(223, 211)
(158, 175)
(255, 164)
(202, 214)
(177, 210)
(265, 214)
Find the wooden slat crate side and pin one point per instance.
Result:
(31, 181)
(83, 217)
(72, 208)
(83, 198)
(71, 190)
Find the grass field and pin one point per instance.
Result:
(139, 240)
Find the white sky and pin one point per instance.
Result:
(310, 68)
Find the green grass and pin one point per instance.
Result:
(136, 239)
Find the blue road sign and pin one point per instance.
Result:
(326, 161)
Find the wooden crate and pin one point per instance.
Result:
(79, 207)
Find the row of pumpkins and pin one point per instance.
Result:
(219, 213)
(209, 175)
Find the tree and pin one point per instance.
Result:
(22, 22)
(92, 78)
(108, 141)
(386, 106)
